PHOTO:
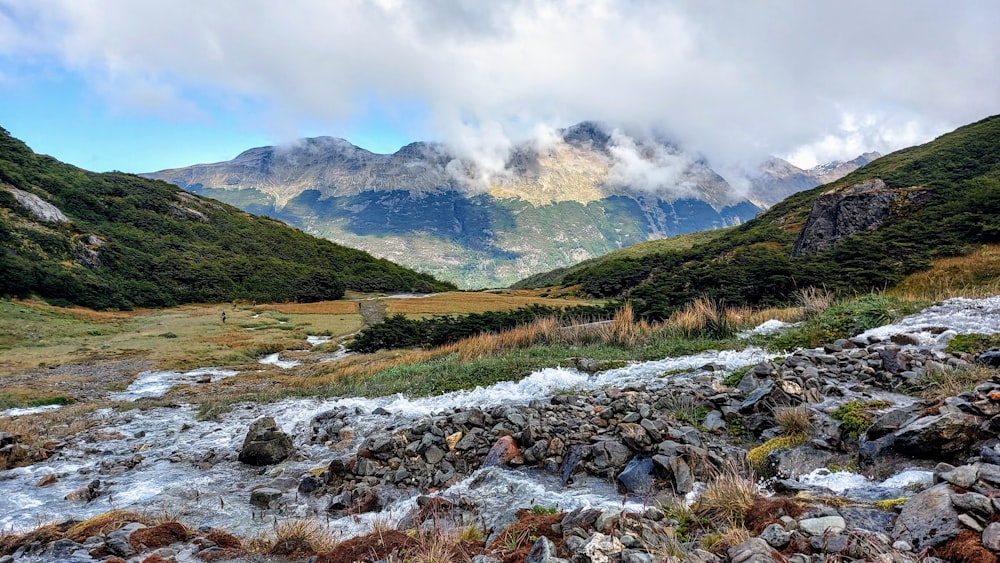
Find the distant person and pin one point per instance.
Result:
(254, 304)
(223, 317)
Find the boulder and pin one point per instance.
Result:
(946, 436)
(928, 519)
(503, 452)
(265, 444)
(637, 477)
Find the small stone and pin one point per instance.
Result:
(433, 455)
(900, 545)
(822, 525)
(991, 537)
(264, 496)
(453, 440)
(963, 476)
(970, 522)
(776, 536)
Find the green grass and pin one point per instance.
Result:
(973, 343)
(846, 318)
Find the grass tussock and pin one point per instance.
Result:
(948, 382)
(793, 420)
(294, 537)
(728, 495)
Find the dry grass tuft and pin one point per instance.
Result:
(948, 382)
(815, 300)
(966, 548)
(793, 420)
(728, 495)
(104, 524)
(299, 537)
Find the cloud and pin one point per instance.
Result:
(734, 81)
(649, 167)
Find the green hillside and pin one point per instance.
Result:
(134, 242)
(957, 176)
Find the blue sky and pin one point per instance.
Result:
(141, 86)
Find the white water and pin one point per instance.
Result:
(275, 359)
(959, 316)
(317, 340)
(157, 383)
(28, 410)
(188, 467)
(858, 486)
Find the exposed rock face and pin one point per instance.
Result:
(838, 214)
(265, 444)
(38, 207)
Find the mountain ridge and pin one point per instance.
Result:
(865, 231)
(588, 190)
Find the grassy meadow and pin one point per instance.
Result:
(35, 338)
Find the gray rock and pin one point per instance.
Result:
(701, 556)
(822, 525)
(962, 476)
(867, 518)
(754, 550)
(835, 215)
(265, 444)
(636, 556)
(609, 454)
(776, 536)
(928, 519)
(264, 497)
(970, 522)
(978, 505)
(544, 551)
(991, 537)
(948, 435)
(790, 463)
(714, 421)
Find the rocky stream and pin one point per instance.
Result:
(604, 453)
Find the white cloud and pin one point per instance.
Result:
(734, 81)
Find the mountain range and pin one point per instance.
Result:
(587, 190)
(868, 230)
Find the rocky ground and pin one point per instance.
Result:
(661, 444)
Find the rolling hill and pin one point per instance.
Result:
(117, 240)
(864, 231)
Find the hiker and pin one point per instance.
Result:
(223, 317)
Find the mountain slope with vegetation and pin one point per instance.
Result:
(117, 240)
(938, 200)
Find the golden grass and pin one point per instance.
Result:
(475, 302)
(34, 334)
(295, 537)
(793, 420)
(728, 495)
(104, 524)
(976, 274)
(318, 308)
